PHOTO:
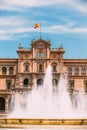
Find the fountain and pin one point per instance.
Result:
(48, 104)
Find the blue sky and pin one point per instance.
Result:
(62, 21)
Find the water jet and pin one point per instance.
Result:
(48, 105)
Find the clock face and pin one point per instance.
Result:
(40, 55)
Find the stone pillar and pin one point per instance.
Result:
(19, 66)
(33, 66)
(48, 52)
(0, 70)
(15, 70)
(61, 67)
(6, 104)
(48, 63)
(86, 71)
(73, 71)
(33, 56)
(7, 70)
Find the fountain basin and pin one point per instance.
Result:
(20, 122)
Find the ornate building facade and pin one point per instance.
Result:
(19, 75)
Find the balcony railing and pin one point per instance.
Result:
(6, 91)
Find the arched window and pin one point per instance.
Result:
(40, 68)
(54, 69)
(26, 82)
(26, 68)
(76, 71)
(55, 82)
(69, 71)
(2, 104)
(83, 71)
(39, 81)
(4, 70)
(11, 70)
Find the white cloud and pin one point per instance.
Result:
(65, 29)
(3, 32)
(22, 4)
(21, 30)
(14, 26)
(79, 6)
(5, 37)
(33, 2)
(25, 31)
(11, 21)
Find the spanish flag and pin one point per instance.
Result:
(37, 25)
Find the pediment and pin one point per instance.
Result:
(40, 42)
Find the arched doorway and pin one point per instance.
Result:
(2, 104)
(26, 82)
(55, 82)
(39, 82)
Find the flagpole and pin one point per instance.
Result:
(38, 25)
(40, 31)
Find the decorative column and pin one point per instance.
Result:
(79, 70)
(33, 66)
(61, 67)
(73, 70)
(19, 65)
(33, 61)
(7, 70)
(6, 104)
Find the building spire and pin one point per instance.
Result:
(61, 45)
(19, 45)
